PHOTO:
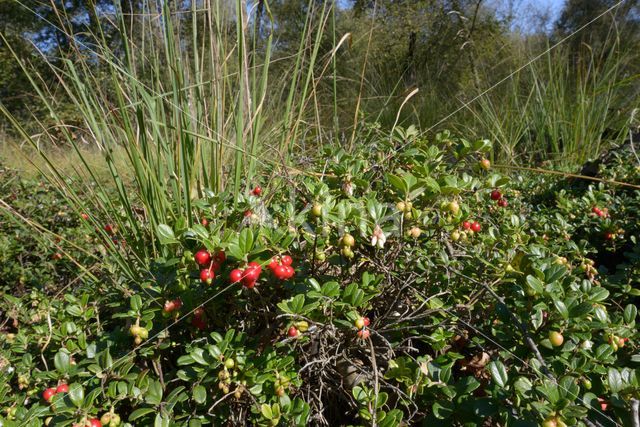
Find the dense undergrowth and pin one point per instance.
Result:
(425, 288)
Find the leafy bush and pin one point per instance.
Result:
(426, 288)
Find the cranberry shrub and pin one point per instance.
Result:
(422, 286)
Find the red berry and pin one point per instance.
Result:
(198, 312)
(169, 306)
(236, 275)
(363, 334)
(202, 257)
(476, 226)
(48, 394)
(603, 404)
(596, 210)
(204, 221)
(62, 388)
(251, 273)
(84, 216)
(207, 276)
(215, 266)
(257, 191)
(281, 272)
(496, 195)
(287, 260)
(274, 263)
(293, 332)
(177, 303)
(94, 422)
(608, 235)
(289, 271)
(255, 265)
(248, 212)
(220, 256)
(366, 321)
(199, 323)
(466, 225)
(108, 228)
(503, 203)
(249, 284)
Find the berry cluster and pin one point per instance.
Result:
(210, 265)
(110, 419)
(347, 243)
(139, 333)
(362, 323)
(297, 328)
(281, 267)
(602, 213)
(497, 196)
(247, 277)
(50, 392)
(172, 305)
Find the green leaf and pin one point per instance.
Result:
(76, 394)
(630, 314)
(245, 241)
(266, 411)
(443, 409)
(614, 380)
(562, 308)
(199, 394)
(161, 421)
(398, 183)
(599, 294)
(499, 373)
(62, 361)
(535, 284)
(166, 235)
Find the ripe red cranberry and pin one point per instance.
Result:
(248, 212)
(207, 276)
(236, 275)
(94, 422)
(466, 225)
(202, 257)
(255, 265)
(249, 284)
(251, 274)
(48, 394)
(204, 221)
(596, 210)
(215, 266)
(608, 235)
(109, 228)
(281, 272)
(476, 226)
(503, 203)
(496, 195)
(198, 312)
(169, 306)
(199, 323)
(293, 332)
(257, 191)
(367, 321)
(177, 303)
(62, 388)
(289, 271)
(286, 260)
(274, 263)
(84, 216)
(220, 256)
